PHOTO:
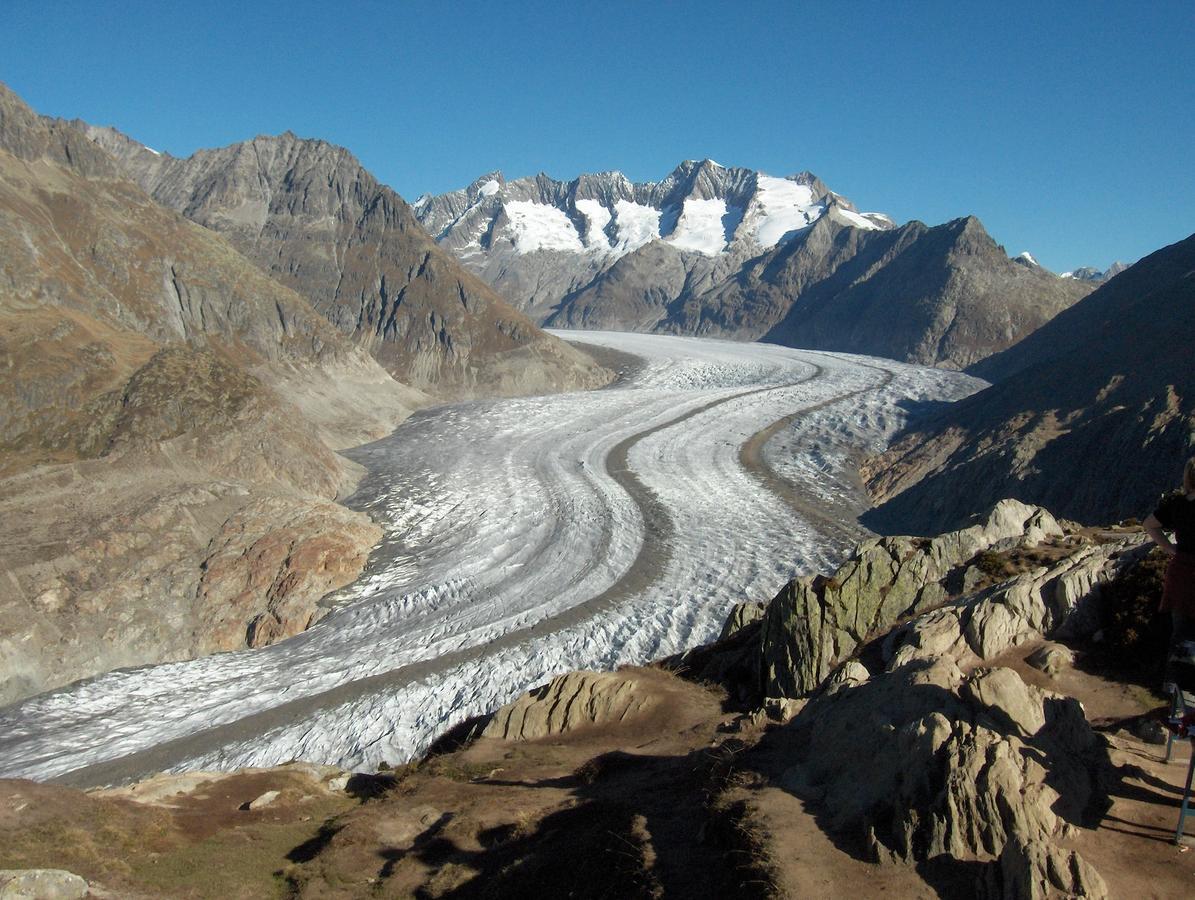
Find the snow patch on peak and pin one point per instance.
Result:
(634, 225)
(490, 188)
(1028, 257)
(702, 226)
(780, 207)
(537, 226)
(597, 218)
(853, 218)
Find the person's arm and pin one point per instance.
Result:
(1158, 535)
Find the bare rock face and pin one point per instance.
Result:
(1108, 383)
(972, 767)
(272, 575)
(946, 296)
(815, 623)
(740, 617)
(146, 426)
(308, 214)
(572, 701)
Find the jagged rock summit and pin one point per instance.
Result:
(731, 252)
(313, 218)
(1094, 275)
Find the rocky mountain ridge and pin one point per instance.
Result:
(315, 220)
(166, 402)
(538, 240)
(1107, 386)
(734, 253)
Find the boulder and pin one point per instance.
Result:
(571, 701)
(41, 884)
(263, 801)
(1051, 658)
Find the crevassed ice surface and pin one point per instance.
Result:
(512, 553)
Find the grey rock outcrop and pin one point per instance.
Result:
(1058, 600)
(927, 749)
(41, 884)
(972, 767)
(815, 623)
(576, 700)
(1108, 382)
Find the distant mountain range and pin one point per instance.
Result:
(1093, 414)
(732, 252)
(1089, 273)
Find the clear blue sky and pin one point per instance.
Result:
(1066, 127)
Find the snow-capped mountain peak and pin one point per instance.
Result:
(538, 238)
(700, 207)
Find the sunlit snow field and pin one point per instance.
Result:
(509, 556)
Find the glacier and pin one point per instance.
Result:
(523, 538)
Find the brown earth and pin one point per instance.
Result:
(686, 799)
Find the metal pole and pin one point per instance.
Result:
(1177, 711)
(1182, 812)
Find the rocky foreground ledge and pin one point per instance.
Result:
(935, 718)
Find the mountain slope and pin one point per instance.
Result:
(945, 295)
(1095, 414)
(735, 253)
(166, 403)
(307, 213)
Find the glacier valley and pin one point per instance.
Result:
(523, 538)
